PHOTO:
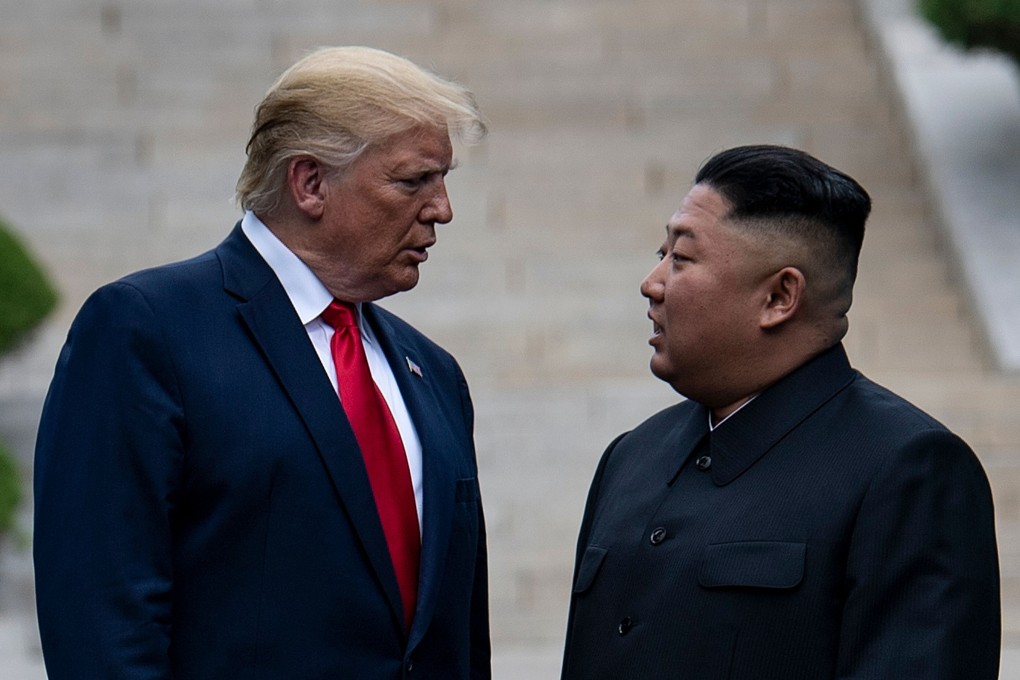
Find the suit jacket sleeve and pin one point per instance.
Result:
(582, 537)
(108, 463)
(923, 598)
(481, 649)
(592, 502)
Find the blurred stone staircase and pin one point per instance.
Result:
(123, 131)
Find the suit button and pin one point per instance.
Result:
(658, 536)
(625, 625)
(410, 666)
(704, 463)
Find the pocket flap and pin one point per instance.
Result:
(753, 564)
(589, 567)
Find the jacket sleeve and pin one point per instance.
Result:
(481, 646)
(107, 471)
(590, 506)
(923, 577)
(481, 650)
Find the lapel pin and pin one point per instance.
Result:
(413, 367)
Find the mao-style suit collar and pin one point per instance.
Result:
(275, 328)
(685, 439)
(742, 440)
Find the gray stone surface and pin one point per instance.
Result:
(965, 115)
(122, 132)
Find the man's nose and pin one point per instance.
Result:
(652, 286)
(438, 209)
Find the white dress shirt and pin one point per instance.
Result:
(310, 298)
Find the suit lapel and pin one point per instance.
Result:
(741, 442)
(278, 333)
(416, 383)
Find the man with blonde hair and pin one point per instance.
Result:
(247, 468)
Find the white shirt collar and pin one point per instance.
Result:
(309, 298)
(304, 289)
(712, 427)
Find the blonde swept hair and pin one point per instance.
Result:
(335, 103)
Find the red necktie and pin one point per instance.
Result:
(381, 448)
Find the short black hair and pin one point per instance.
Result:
(779, 185)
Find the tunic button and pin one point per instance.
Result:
(625, 625)
(658, 536)
(704, 463)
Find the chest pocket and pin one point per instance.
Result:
(753, 564)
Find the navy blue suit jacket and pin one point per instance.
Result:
(829, 529)
(202, 508)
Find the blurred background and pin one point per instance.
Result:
(122, 132)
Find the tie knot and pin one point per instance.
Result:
(340, 314)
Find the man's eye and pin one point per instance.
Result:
(660, 253)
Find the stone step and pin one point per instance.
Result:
(124, 154)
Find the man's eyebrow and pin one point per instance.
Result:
(441, 168)
(679, 231)
(417, 166)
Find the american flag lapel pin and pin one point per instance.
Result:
(413, 367)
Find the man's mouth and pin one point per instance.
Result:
(656, 328)
(420, 252)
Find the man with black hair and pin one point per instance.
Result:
(791, 519)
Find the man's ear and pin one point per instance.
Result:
(785, 294)
(306, 181)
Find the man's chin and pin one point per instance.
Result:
(665, 372)
(405, 281)
(408, 281)
(659, 369)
